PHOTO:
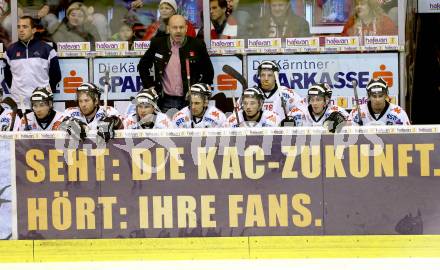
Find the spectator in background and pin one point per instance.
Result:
(47, 14)
(76, 26)
(242, 14)
(4, 37)
(229, 7)
(132, 12)
(30, 63)
(138, 31)
(167, 8)
(369, 20)
(173, 57)
(222, 27)
(39, 10)
(281, 22)
(5, 21)
(391, 9)
(125, 33)
(97, 12)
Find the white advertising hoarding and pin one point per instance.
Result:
(299, 72)
(73, 73)
(125, 81)
(429, 6)
(224, 83)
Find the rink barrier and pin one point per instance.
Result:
(232, 132)
(253, 247)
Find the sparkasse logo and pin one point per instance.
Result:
(386, 75)
(226, 82)
(72, 82)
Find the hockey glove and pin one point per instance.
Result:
(289, 121)
(334, 122)
(74, 127)
(107, 127)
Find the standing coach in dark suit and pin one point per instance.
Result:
(169, 56)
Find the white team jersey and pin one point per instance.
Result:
(131, 108)
(75, 112)
(303, 118)
(272, 101)
(32, 123)
(161, 121)
(6, 120)
(267, 119)
(213, 118)
(393, 115)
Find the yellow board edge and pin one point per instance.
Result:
(219, 248)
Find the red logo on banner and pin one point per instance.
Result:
(71, 83)
(226, 82)
(387, 76)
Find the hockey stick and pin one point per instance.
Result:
(11, 103)
(234, 103)
(23, 111)
(283, 103)
(188, 78)
(234, 74)
(106, 88)
(358, 107)
(107, 127)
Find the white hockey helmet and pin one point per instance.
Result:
(201, 88)
(147, 96)
(254, 92)
(42, 94)
(377, 85)
(270, 65)
(320, 89)
(91, 89)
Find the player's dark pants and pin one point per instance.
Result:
(171, 102)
